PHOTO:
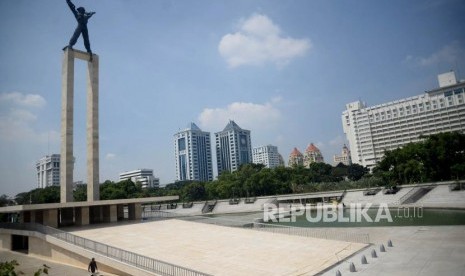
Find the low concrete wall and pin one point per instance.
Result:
(45, 246)
(5, 241)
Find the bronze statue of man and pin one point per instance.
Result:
(82, 17)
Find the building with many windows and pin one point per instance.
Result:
(373, 130)
(233, 147)
(344, 158)
(143, 176)
(267, 155)
(48, 171)
(192, 151)
(312, 155)
(296, 158)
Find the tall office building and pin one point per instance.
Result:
(267, 155)
(192, 151)
(312, 155)
(233, 147)
(344, 158)
(296, 158)
(48, 171)
(143, 176)
(373, 130)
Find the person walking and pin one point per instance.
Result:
(92, 266)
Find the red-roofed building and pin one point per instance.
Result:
(312, 155)
(296, 158)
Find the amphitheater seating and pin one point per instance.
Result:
(250, 200)
(441, 196)
(223, 207)
(196, 209)
(359, 197)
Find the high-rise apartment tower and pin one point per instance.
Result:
(233, 147)
(192, 151)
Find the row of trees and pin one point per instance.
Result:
(249, 181)
(437, 157)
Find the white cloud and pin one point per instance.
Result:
(260, 41)
(18, 115)
(246, 115)
(110, 156)
(449, 54)
(25, 100)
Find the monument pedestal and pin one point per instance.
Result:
(67, 126)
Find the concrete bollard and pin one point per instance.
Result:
(382, 249)
(352, 267)
(390, 243)
(364, 260)
(338, 273)
(373, 254)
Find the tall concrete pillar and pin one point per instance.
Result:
(93, 190)
(67, 110)
(67, 127)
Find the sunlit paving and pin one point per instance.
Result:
(200, 138)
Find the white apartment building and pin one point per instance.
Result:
(48, 171)
(233, 147)
(143, 176)
(373, 130)
(192, 151)
(267, 155)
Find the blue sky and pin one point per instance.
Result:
(282, 69)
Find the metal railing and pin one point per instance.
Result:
(312, 233)
(124, 256)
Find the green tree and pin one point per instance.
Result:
(356, 171)
(8, 268)
(80, 192)
(5, 200)
(194, 191)
(438, 157)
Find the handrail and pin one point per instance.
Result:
(131, 258)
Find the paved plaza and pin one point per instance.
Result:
(418, 250)
(220, 250)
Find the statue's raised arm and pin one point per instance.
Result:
(72, 7)
(82, 17)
